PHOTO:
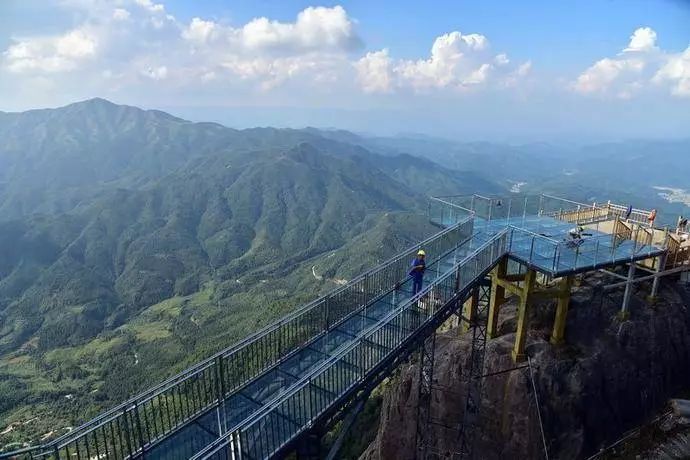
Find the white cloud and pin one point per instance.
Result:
(271, 52)
(136, 45)
(315, 29)
(457, 61)
(676, 71)
(643, 39)
(121, 14)
(150, 6)
(631, 71)
(156, 73)
(374, 72)
(199, 31)
(600, 76)
(50, 54)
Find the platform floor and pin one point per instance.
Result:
(543, 243)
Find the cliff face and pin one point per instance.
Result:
(609, 377)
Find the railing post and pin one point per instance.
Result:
(524, 211)
(531, 250)
(596, 251)
(541, 204)
(326, 319)
(220, 394)
(139, 431)
(558, 256)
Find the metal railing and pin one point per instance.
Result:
(270, 428)
(541, 251)
(567, 255)
(639, 216)
(135, 426)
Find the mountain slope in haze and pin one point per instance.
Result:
(134, 243)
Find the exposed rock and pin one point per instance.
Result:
(609, 377)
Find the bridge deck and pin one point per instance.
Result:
(192, 437)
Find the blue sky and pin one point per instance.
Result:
(476, 70)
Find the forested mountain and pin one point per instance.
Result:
(133, 243)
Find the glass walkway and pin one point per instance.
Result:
(253, 399)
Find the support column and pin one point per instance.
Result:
(661, 264)
(498, 296)
(469, 310)
(624, 313)
(558, 333)
(426, 381)
(523, 317)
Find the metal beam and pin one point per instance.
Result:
(649, 277)
(628, 290)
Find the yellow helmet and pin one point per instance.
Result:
(421, 252)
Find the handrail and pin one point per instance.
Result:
(454, 205)
(577, 203)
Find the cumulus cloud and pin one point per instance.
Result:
(121, 14)
(456, 61)
(374, 72)
(51, 54)
(633, 69)
(140, 38)
(137, 45)
(676, 72)
(199, 31)
(315, 29)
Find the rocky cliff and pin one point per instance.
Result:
(610, 376)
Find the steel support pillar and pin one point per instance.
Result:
(523, 317)
(563, 299)
(426, 381)
(469, 310)
(473, 375)
(624, 313)
(498, 296)
(661, 264)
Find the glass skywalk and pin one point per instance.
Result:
(251, 400)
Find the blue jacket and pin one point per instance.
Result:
(417, 273)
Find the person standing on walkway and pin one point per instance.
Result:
(628, 212)
(417, 271)
(651, 218)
